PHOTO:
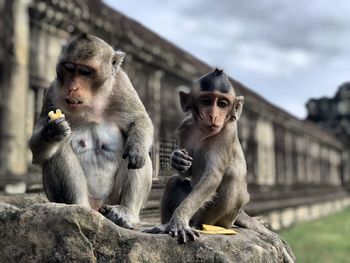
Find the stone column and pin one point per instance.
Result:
(13, 134)
(288, 158)
(301, 153)
(266, 153)
(346, 167)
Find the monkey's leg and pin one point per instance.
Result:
(64, 180)
(223, 207)
(176, 190)
(220, 210)
(135, 185)
(245, 221)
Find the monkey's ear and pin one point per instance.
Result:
(185, 100)
(238, 107)
(118, 58)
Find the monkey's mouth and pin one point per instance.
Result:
(214, 126)
(73, 103)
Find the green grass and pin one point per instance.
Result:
(322, 241)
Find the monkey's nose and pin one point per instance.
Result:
(212, 119)
(72, 89)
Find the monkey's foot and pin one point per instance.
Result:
(120, 215)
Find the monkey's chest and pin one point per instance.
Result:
(98, 148)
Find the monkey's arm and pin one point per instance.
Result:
(201, 192)
(47, 136)
(134, 121)
(139, 141)
(180, 159)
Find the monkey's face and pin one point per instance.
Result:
(212, 110)
(85, 73)
(81, 85)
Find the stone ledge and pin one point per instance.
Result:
(69, 233)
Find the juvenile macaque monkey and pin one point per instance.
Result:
(97, 155)
(211, 155)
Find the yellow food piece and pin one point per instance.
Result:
(54, 115)
(212, 230)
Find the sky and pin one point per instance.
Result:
(286, 51)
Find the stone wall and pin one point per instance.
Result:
(282, 151)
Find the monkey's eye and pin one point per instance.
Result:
(222, 104)
(69, 67)
(206, 102)
(86, 71)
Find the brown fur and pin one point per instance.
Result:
(210, 186)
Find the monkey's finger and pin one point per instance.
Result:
(63, 125)
(186, 155)
(181, 161)
(173, 232)
(104, 209)
(136, 164)
(58, 121)
(184, 151)
(196, 233)
(126, 152)
(120, 221)
(182, 236)
(132, 161)
(124, 155)
(191, 235)
(182, 155)
(124, 223)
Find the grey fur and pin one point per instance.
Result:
(82, 163)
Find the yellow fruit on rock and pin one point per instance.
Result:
(210, 229)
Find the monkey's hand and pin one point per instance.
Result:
(181, 230)
(175, 229)
(56, 130)
(180, 160)
(120, 215)
(137, 157)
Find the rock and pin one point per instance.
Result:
(53, 232)
(23, 200)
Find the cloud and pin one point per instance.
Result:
(275, 47)
(266, 59)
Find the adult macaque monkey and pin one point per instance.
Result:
(212, 156)
(98, 154)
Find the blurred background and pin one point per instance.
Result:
(291, 61)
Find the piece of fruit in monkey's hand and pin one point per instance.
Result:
(212, 230)
(54, 115)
